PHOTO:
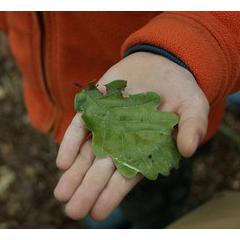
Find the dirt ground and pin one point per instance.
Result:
(27, 161)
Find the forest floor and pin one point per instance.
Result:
(27, 161)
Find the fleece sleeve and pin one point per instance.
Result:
(207, 43)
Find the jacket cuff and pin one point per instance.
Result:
(155, 50)
(200, 41)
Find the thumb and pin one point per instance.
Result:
(192, 126)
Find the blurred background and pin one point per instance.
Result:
(27, 160)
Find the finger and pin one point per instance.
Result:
(72, 140)
(192, 126)
(112, 195)
(92, 185)
(73, 177)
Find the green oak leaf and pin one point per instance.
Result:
(130, 130)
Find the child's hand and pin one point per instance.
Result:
(90, 185)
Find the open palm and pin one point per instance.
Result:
(91, 185)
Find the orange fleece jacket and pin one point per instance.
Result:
(56, 49)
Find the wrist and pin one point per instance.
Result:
(155, 50)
